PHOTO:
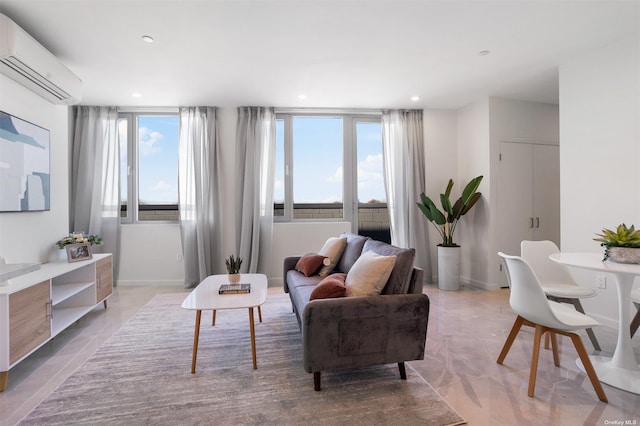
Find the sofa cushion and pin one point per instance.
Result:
(352, 251)
(332, 249)
(369, 274)
(310, 263)
(297, 279)
(400, 277)
(330, 287)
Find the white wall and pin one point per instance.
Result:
(150, 253)
(30, 236)
(441, 164)
(599, 154)
(472, 233)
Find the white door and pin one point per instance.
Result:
(546, 193)
(528, 196)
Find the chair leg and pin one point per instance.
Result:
(554, 345)
(547, 336)
(586, 362)
(403, 371)
(576, 303)
(635, 323)
(534, 358)
(316, 381)
(517, 325)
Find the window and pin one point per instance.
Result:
(149, 166)
(329, 167)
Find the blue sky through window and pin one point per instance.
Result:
(318, 161)
(158, 159)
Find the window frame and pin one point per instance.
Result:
(350, 203)
(132, 207)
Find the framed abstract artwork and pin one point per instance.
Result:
(24, 165)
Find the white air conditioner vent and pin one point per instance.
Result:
(25, 60)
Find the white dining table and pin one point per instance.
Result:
(620, 370)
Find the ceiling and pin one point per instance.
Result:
(341, 54)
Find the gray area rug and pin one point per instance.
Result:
(141, 375)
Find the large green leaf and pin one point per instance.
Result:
(429, 209)
(447, 191)
(474, 199)
(446, 204)
(438, 216)
(457, 209)
(470, 189)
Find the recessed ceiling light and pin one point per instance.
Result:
(136, 95)
(415, 98)
(484, 52)
(303, 96)
(147, 38)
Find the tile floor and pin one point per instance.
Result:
(466, 331)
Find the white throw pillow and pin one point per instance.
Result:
(369, 274)
(332, 249)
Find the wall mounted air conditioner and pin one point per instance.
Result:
(25, 60)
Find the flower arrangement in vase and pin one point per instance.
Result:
(79, 238)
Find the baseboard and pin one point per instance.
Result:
(480, 285)
(167, 283)
(276, 282)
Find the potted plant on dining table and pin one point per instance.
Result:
(621, 245)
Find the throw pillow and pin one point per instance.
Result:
(369, 274)
(330, 287)
(310, 263)
(332, 249)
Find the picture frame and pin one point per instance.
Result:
(78, 252)
(25, 170)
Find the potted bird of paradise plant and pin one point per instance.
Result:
(445, 222)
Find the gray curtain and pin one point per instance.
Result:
(95, 177)
(255, 175)
(199, 193)
(403, 159)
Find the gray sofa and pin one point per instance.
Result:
(351, 332)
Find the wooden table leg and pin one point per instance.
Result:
(4, 378)
(213, 319)
(196, 335)
(260, 313)
(253, 338)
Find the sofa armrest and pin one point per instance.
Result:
(288, 265)
(361, 331)
(416, 283)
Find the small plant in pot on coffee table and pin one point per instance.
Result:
(233, 264)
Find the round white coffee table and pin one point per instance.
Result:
(621, 370)
(206, 297)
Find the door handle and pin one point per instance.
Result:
(537, 222)
(531, 219)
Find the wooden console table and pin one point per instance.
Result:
(37, 306)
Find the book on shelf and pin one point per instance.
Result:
(234, 288)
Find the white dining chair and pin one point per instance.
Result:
(635, 323)
(534, 309)
(555, 279)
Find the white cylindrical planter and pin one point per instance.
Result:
(448, 268)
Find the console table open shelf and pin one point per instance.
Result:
(37, 306)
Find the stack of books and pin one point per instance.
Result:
(234, 289)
